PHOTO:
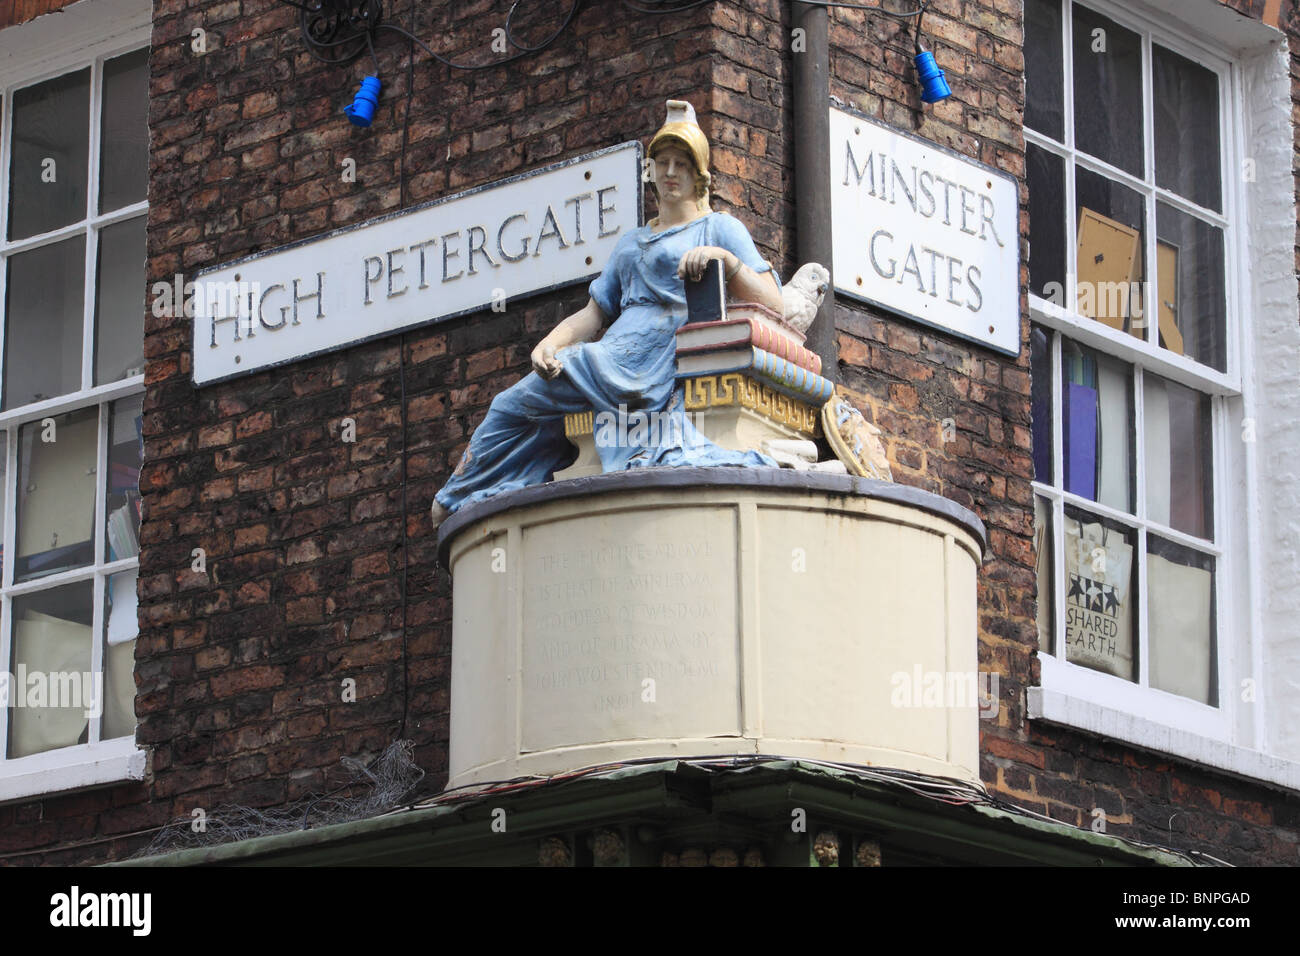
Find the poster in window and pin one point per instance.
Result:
(1098, 609)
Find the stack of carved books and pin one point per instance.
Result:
(744, 375)
(747, 377)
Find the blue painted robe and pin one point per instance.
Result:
(626, 377)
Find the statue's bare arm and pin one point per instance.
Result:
(582, 326)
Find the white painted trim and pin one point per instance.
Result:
(81, 36)
(1131, 520)
(60, 41)
(1273, 519)
(110, 392)
(1209, 24)
(1077, 713)
(1136, 700)
(71, 768)
(97, 220)
(1099, 336)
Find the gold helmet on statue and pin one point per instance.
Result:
(681, 130)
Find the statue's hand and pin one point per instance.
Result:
(694, 262)
(544, 361)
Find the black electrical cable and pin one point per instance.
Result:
(370, 17)
(361, 35)
(312, 42)
(549, 40)
(371, 45)
(335, 61)
(523, 50)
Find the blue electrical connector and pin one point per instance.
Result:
(934, 87)
(361, 111)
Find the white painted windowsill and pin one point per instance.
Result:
(1054, 707)
(71, 768)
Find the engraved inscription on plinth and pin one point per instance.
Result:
(631, 628)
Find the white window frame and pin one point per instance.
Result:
(1228, 736)
(84, 35)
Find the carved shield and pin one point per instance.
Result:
(855, 441)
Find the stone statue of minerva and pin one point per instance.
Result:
(630, 370)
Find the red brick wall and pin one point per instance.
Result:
(240, 670)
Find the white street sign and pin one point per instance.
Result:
(925, 233)
(465, 253)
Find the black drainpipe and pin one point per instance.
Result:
(812, 169)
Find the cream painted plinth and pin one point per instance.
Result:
(734, 427)
(675, 612)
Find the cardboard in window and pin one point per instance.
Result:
(1108, 264)
(1167, 289)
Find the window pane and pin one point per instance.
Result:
(1107, 90)
(119, 655)
(1040, 373)
(51, 137)
(43, 322)
(56, 494)
(1109, 260)
(1046, 173)
(125, 452)
(51, 641)
(1180, 623)
(1179, 476)
(1099, 594)
(1097, 426)
(119, 302)
(1044, 577)
(1044, 89)
(1186, 125)
(1190, 278)
(124, 153)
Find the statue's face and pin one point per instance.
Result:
(674, 174)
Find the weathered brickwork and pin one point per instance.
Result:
(240, 669)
